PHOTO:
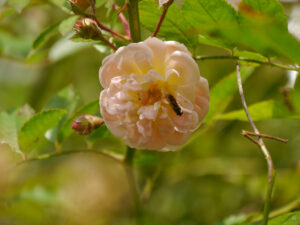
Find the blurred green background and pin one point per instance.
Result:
(219, 174)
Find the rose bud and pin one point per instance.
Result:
(87, 28)
(86, 124)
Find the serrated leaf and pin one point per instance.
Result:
(10, 124)
(209, 12)
(174, 26)
(19, 5)
(66, 26)
(222, 93)
(262, 111)
(66, 129)
(36, 126)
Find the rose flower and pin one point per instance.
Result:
(154, 96)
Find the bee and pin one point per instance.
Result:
(174, 104)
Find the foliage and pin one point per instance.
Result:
(49, 77)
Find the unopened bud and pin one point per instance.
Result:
(87, 28)
(86, 124)
(80, 4)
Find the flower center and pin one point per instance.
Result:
(150, 96)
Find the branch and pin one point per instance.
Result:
(162, 17)
(248, 133)
(103, 27)
(123, 19)
(230, 57)
(260, 142)
(58, 154)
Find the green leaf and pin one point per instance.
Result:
(63, 4)
(222, 93)
(66, 26)
(66, 129)
(201, 13)
(292, 218)
(250, 55)
(19, 5)
(287, 219)
(174, 26)
(10, 124)
(205, 40)
(99, 133)
(12, 45)
(271, 8)
(204, 15)
(42, 39)
(66, 99)
(262, 111)
(36, 126)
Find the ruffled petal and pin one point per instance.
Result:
(186, 68)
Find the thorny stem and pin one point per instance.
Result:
(128, 166)
(162, 17)
(71, 152)
(103, 27)
(108, 43)
(134, 20)
(231, 57)
(271, 170)
(123, 20)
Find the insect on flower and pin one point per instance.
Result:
(154, 96)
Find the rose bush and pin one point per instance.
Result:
(154, 96)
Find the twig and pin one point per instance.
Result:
(107, 42)
(231, 57)
(162, 17)
(128, 166)
(123, 19)
(271, 170)
(245, 133)
(103, 27)
(58, 154)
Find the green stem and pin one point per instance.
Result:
(216, 57)
(134, 20)
(271, 180)
(261, 144)
(58, 154)
(128, 165)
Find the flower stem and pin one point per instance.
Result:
(216, 57)
(128, 165)
(134, 20)
(260, 142)
(162, 17)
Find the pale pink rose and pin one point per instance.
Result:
(154, 96)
